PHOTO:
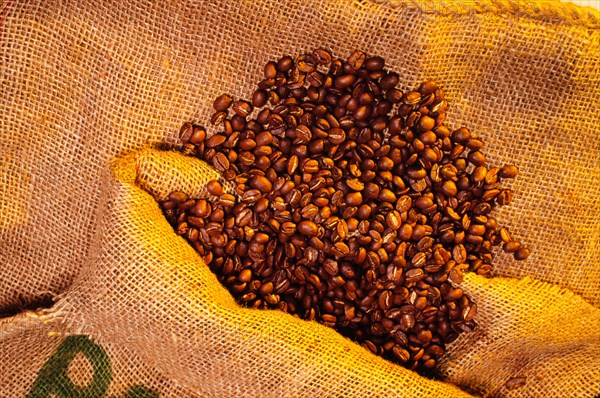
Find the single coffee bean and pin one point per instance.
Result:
(374, 63)
(178, 197)
(504, 197)
(308, 228)
(505, 235)
(321, 56)
(242, 108)
(414, 275)
(340, 249)
(354, 199)
(511, 247)
(227, 200)
(222, 102)
(401, 354)
(221, 162)
(259, 98)
(285, 64)
(270, 70)
(479, 173)
(469, 312)
(453, 294)
(356, 59)
(215, 141)
(186, 132)
(214, 187)
(393, 220)
(424, 336)
(476, 158)
(386, 195)
(508, 171)
(261, 183)
(522, 254)
(461, 135)
(245, 276)
(336, 136)
(426, 123)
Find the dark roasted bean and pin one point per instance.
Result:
(186, 132)
(356, 59)
(261, 183)
(512, 246)
(259, 98)
(522, 254)
(222, 102)
(308, 228)
(508, 171)
(214, 187)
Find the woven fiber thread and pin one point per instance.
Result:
(83, 82)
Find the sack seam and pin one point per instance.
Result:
(546, 11)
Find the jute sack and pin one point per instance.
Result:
(85, 82)
(41, 357)
(151, 303)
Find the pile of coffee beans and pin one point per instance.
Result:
(353, 204)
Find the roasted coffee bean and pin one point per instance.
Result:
(245, 276)
(241, 108)
(342, 229)
(476, 158)
(261, 183)
(401, 354)
(512, 246)
(227, 200)
(504, 197)
(374, 63)
(340, 249)
(336, 136)
(214, 187)
(308, 228)
(479, 173)
(222, 102)
(259, 98)
(220, 162)
(356, 205)
(321, 56)
(468, 312)
(522, 254)
(393, 220)
(505, 235)
(414, 275)
(356, 59)
(284, 64)
(186, 132)
(508, 171)
(178, 197)
(354, 199)
(215, 141)
(251, 196)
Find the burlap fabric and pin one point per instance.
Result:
(84, 82)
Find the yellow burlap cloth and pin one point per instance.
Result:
(85, 82)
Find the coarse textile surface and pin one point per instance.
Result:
(84, 83)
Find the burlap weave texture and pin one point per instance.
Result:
(83, 82)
